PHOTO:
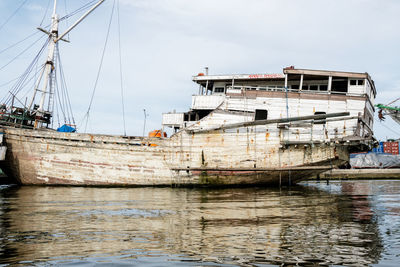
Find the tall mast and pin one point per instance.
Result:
(49, 68)
(50, 57)
(47, 73)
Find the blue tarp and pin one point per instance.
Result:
(66, 129)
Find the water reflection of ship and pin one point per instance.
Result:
(231, 225)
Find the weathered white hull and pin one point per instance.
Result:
(53, 158)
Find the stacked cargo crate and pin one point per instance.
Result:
(391, 148)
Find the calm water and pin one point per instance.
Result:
(343, 223)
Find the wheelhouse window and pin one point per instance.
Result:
(356, 82)
(219, 90)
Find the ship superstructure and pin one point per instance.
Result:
(227, 99)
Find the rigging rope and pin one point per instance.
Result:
(120, 67)
(17, 43)
(22, 80)
(13, 80)
(45, 13)
(393, 101)
(66, 20)
(12, 15)
(27, 81)
(82, 8)
(67, 103)
(100, 67)
(390, 129)
(17, 56)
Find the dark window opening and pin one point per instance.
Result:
(195, 115)
(356, 82)
(189, 116)
(295, 86)
(314, 87)
(261, 114)
(323, 87)
(304, 87)
(219, 90)
(320, 121)
(340, 86)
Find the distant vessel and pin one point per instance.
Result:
(241, 129)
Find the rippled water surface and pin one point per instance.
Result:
(343, 223)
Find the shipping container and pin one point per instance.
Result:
(391, 148)
(391, 144)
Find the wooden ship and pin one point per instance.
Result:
(241, 129)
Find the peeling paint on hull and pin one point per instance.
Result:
(51, 158)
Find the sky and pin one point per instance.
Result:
(165, 42)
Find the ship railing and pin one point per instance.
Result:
(259, 88)
(238, 89)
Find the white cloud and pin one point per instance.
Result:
(165, 42)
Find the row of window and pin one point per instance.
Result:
(313, 87)
(356, 82)
(321, 87)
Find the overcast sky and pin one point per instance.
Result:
(166, 42)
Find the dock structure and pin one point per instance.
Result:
(354, 174)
